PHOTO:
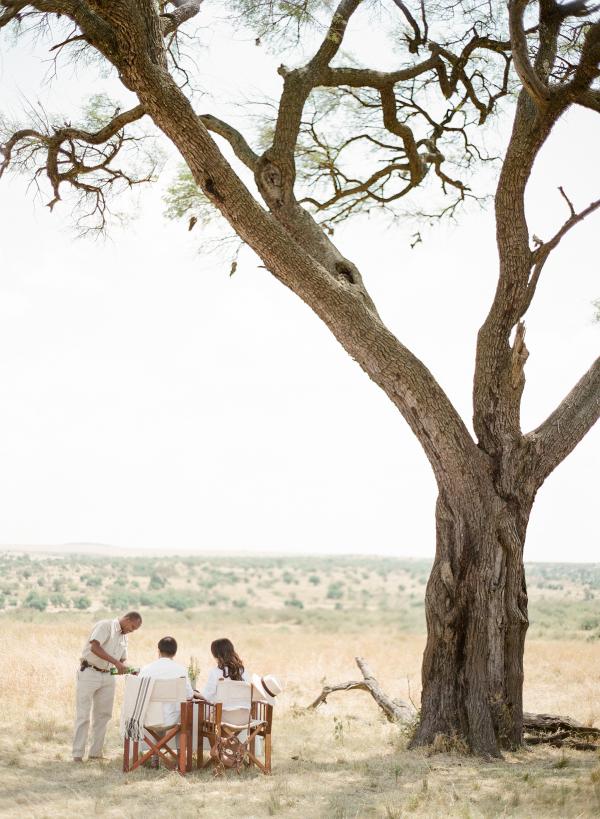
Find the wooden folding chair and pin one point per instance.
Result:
(235, 712)
(157, 735)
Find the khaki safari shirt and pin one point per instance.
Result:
(112, 640)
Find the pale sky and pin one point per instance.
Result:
(148, 400)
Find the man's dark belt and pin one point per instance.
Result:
(85, 664)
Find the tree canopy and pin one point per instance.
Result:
(344, 137)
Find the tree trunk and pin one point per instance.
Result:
(476, 608)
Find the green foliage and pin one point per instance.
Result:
(185, 199)
(180, 601)
(372, 589)
(120, 598)
(157, 581)
(37, 601)
(99, 110)
(335, 590)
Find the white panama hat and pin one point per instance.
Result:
(268, 687)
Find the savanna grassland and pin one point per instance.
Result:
(303, 619)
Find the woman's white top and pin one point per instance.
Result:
(209, 692)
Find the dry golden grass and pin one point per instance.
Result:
(343, 761)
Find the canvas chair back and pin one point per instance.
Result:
(164, 691)
(236, 698)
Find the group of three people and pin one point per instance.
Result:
(106, 649)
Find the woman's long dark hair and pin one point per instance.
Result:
(228, 661)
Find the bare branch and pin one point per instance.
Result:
(80, 158)
(394, 710)
(541, 253)
(418, 39)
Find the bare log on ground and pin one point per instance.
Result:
(539, 729)
(559, 732)
(551, 723)
(395, 710)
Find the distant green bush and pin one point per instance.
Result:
(314, 579)
(293, 603)
(157, 581)
(37, 601)
(180, 601)
(120, 598)
(335, 590)
(82, 602)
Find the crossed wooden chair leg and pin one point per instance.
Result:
(250, 743)
(180, 761)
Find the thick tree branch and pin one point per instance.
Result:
(367, 78)
(277, 171)
(237, 141)
(587, 68)
(12, 10)
(335, 34)
(90, 20)
(560, 433)
(496, 400)
(184, 11)
(589, 99)
(534, 86)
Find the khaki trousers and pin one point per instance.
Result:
(95, 695)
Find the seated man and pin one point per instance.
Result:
(165, 668)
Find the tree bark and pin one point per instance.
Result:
(476, 608)
(476, 602)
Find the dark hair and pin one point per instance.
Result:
(133, 615)
(168, 646)
(228, 661)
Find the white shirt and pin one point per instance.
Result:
(167, 669)
(209, 692)
(111, 639)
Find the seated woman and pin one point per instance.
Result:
(229, 667)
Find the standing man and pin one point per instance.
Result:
(105, 647)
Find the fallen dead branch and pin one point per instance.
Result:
(395, 710)
(559, 732)
(538, 729)
(549, 722)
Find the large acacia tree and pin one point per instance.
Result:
(345, 138)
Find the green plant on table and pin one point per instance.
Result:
(193, 670)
